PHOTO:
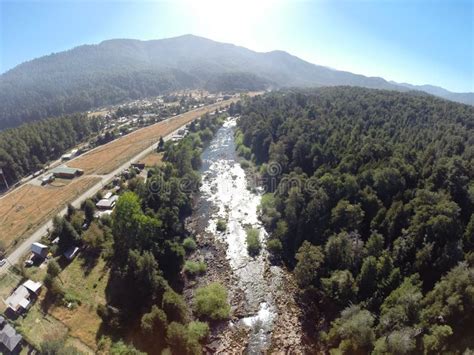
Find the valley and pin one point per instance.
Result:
(101, 165)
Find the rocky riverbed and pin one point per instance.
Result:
(265, 317)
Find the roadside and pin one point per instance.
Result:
(22, 248)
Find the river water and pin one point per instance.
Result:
(225, 193)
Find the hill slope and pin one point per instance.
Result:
(115, 70)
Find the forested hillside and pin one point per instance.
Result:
(370, 201)
(116, 70)
(25, 149)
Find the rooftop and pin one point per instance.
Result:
(32, 285)
(9, 337)
(65, 170)
(16, 299)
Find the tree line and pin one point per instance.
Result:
(145, 245)
(28, 148)
(370, 201)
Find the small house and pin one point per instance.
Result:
(39, 249)
(107, 204)
(19, 300)
(9, 338)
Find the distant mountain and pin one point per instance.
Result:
(116, 70)
(462, 97)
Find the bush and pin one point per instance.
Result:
(244, 151)
(274, 246)
(185, 340)
(198, 330)
(211, 302)
(193, 268)
(253, 241)
(244, 164)
(174, 306)
(189, 244)
(72, 300)
(154, 321)
(221, 225)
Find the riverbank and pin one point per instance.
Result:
(264, 316)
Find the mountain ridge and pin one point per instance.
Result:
(115, 70)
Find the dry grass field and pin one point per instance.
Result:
(152, 159)
(28, 207)
(109, 157)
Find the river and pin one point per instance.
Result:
(225, 194)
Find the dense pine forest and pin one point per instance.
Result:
(370, 200)
(25, 149)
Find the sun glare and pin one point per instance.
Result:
(229, 20)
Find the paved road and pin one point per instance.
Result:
(25, 246)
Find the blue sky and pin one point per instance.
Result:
(415, 41)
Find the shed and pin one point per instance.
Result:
(107, 204)
(47, 179)
(39, 249)
(66, 172)
(66, 156)
(108, 195)
(9, 337)
(71, 253)
(140, 166)
(33, 286)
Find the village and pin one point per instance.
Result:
(28, 296)
(120, 120)
(29, 316)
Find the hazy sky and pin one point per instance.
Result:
(415, 41)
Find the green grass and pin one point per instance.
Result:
(85, 279)
(37, 326)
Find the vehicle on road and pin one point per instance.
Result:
(29, 263)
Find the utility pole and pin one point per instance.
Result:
(4, 178)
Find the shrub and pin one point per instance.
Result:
(193, 268)
(244, 164)
(211, 302)
(174, 306)
(244, 151)
(253, 241)
(71, 300)
(154, 321)
(189, 244)
(274, 246)
(198, 330)
(221, 225)
(185, 340)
